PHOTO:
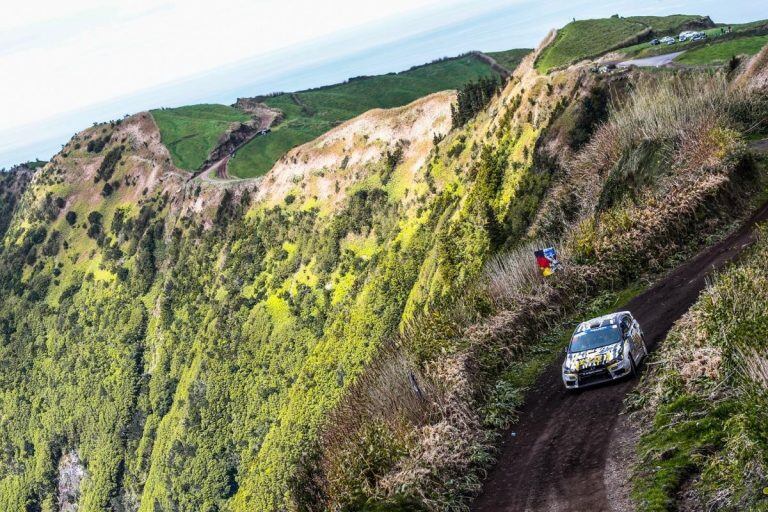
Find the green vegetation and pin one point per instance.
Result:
(715, 35)
(722, 52)
(190, 133)
(309, 114)
(245, 356)
(510, 59)
(473, 355)
(590, 38)
(215, 343)
(708, 405)
(34, 164)
(472, 99)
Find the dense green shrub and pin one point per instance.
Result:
(108, 165)
(472, 99)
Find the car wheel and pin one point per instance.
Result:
(632, 366)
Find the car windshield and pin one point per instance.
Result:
(594, 338)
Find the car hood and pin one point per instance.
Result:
(590, 358)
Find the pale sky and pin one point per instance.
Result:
(67, 63)
(63, 55)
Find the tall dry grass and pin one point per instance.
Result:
(755, 76)
(513, 276)
(754, 366)
(678, 123)
(436, 442)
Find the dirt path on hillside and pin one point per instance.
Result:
(217, 171)
(656, 61)
(504, 72)
(559, 458)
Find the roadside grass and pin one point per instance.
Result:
(191, 132)
(705, 399)
(309, 114)
(684, 431)
(722, 52)
(510, 59)
(589, 38)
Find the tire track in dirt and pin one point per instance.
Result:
(558, 457)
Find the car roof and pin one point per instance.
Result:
(602, 321)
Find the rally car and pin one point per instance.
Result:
(602, 349)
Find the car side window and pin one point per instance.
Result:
(625, 324)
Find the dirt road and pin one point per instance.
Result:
(558, 457)
(651, 62)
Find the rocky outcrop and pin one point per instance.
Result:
(71, 474)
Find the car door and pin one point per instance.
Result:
(626, 331)
(639, 338)
(632, 335)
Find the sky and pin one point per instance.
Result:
(65, 65)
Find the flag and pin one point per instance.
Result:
(546, 259)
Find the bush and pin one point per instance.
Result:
(108, 165)
(472, 99)
(97, 144)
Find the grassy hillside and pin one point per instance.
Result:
(359, 353)
(722, 52)
(309, 114)
(510, 58)
(589, 38)
(715, 35)
(191, 132)
(706, 408)
(645, 205)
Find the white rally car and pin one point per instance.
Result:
(603, 349)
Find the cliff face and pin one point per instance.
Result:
(184, 337)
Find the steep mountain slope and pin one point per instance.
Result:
(665, 175)
(176, 342)
(98, 260)
(311, 113)
(13, 183)
(328, 335)
(191, 133)
(319, 172)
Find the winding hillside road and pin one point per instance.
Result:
(558, 458)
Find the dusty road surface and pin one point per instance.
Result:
(558, 457)
(651, 62)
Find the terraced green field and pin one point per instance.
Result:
(721, 52)
(190, 133)
(582, 39)
(309, 114)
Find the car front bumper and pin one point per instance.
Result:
(597, 375)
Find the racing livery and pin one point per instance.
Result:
(603, 349)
